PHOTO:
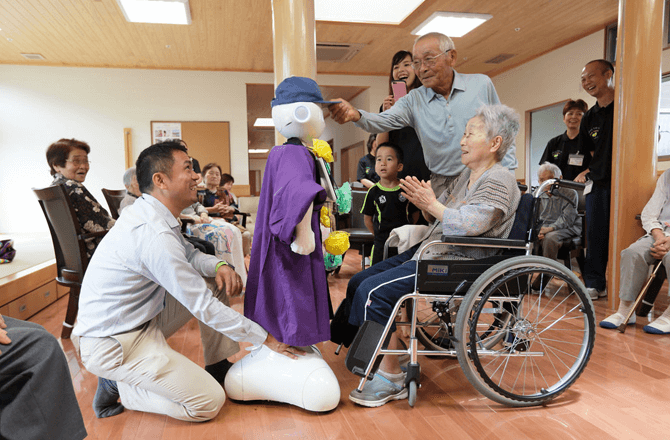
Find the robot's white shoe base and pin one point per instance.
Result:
(307, 382)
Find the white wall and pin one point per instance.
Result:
(39, 105)
(552, 78)
(546, 80)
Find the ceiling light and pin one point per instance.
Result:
(453, 24)
(156, 11)
(258, 150)
(371, 11)
(264, 122)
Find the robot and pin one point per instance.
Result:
(287, 291)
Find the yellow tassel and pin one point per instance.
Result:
(325, 217)
(322, 149)
(337, 242)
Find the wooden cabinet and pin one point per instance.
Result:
(34, 301)
(27, 292)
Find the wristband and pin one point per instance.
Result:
(219, 264)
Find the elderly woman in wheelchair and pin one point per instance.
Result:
(481, 202)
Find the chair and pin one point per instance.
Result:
(114, 197)
(359, 235)
(69, 246)
(515, 346)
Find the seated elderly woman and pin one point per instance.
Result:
(219, 200)
(68, 160)
(225, 237)
(482, 201)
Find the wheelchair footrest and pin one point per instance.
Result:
(363, 347)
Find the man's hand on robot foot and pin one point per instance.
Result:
(281, 348)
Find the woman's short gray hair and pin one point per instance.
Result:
(444, 42)
(128, 176)
(552, 168)
(499, 120)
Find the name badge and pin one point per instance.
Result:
(576, 160)
(588, 187)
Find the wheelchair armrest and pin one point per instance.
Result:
(483, 241)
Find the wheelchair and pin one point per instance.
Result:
(521, 326)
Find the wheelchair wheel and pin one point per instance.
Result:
(547, 338)
(412, 390)
(434, 332)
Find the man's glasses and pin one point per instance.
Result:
(428, 61)
(78, 162)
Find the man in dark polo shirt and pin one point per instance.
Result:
(596, 134)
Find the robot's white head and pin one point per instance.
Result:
(294, 109)
(303, 120)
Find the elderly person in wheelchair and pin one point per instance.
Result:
(482, 201)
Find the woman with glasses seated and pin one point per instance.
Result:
(69, 164)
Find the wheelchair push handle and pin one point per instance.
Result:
(557, 183)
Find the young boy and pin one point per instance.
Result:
(385, 208)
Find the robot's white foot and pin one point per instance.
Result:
(307, 382)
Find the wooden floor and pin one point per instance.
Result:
(623, 394)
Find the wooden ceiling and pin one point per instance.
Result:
(236, 35)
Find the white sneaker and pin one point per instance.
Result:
(614, 321)
(595, 293)
(659, 326)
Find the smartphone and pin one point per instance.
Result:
(399, 89)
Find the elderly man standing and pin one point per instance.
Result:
(438, 111)
(558, 213)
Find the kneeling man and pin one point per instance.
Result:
(124, 292)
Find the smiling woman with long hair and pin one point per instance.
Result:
(406, 138)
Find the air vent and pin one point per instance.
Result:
(500, 58)
(337, 52)
(33, 56)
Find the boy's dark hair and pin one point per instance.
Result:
(158, 158)
(398, 151)
(225, 178)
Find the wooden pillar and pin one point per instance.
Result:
(293, 41)
(637, 80)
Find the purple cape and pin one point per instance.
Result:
(287, 293)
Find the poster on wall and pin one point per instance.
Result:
(165, 131)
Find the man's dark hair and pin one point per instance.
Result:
(604, 65)
(398, 151)
(158, 158)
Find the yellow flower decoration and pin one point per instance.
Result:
(325, 216)
(322, 149)
(337, 242)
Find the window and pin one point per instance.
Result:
(663, 148)
(611, 31)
